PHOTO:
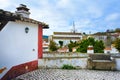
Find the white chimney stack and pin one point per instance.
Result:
(90, 49)
(23, 11)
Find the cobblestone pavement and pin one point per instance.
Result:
(60, 74)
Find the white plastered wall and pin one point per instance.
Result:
(16, 46)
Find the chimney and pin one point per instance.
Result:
(23, 11)
(90, 49)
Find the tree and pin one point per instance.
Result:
(53, 46)
(83, 46)
(117, 44)
(84, 33)
(98, 45)
(117, 30)
(91, 41)
(61, 43)
(71, 45)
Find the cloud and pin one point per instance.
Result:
(4, 3)
(63, 3)
(88, 15)
(112, 17)
(65, 11)
(51, 15)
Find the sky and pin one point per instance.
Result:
(87, 15)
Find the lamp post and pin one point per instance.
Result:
(26, 30)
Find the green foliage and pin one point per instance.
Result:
(53, 46)
(117, 44)
(83, 46)
(113, 30)
(61, 43)
(98, 45)
(108, 31)
(91, 41)
(67, 66)
(117, 30)
(71, 45)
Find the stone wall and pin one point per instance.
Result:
(101, 62)
(117, 63)
(62, 54)
(78, 60)
(117, 60)
(57, 60)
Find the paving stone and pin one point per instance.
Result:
(60, 74)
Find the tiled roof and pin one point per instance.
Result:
(6, 16)
(107, 48)
(64, 49)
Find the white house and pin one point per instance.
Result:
(20, 42)
(111, 50)
(45, 46)
(66, 37)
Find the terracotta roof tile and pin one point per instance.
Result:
(107, 48)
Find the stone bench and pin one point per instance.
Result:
(100, 62)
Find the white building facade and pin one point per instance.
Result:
(20, 44)
(66, 37)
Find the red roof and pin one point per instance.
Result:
(107, 48)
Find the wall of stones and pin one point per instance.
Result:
(57, 60)
(78, 60)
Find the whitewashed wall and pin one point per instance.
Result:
(57, 54)
(117, 63)
(17, 47)
(65, 41)
(57, 60)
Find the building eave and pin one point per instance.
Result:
(6, 16)
(67, 38)
(66, 33)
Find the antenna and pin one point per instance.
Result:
(73, 27)
(89, 32)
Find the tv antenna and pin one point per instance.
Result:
(74, 30)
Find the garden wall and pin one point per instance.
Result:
(78, 60)
(57, 60)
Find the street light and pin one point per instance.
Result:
(26, 30)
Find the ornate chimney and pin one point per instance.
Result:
(23, 11)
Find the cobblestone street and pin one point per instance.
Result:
(60, 74)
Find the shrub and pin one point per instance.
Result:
(67, 66)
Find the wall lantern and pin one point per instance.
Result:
(26, 30)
